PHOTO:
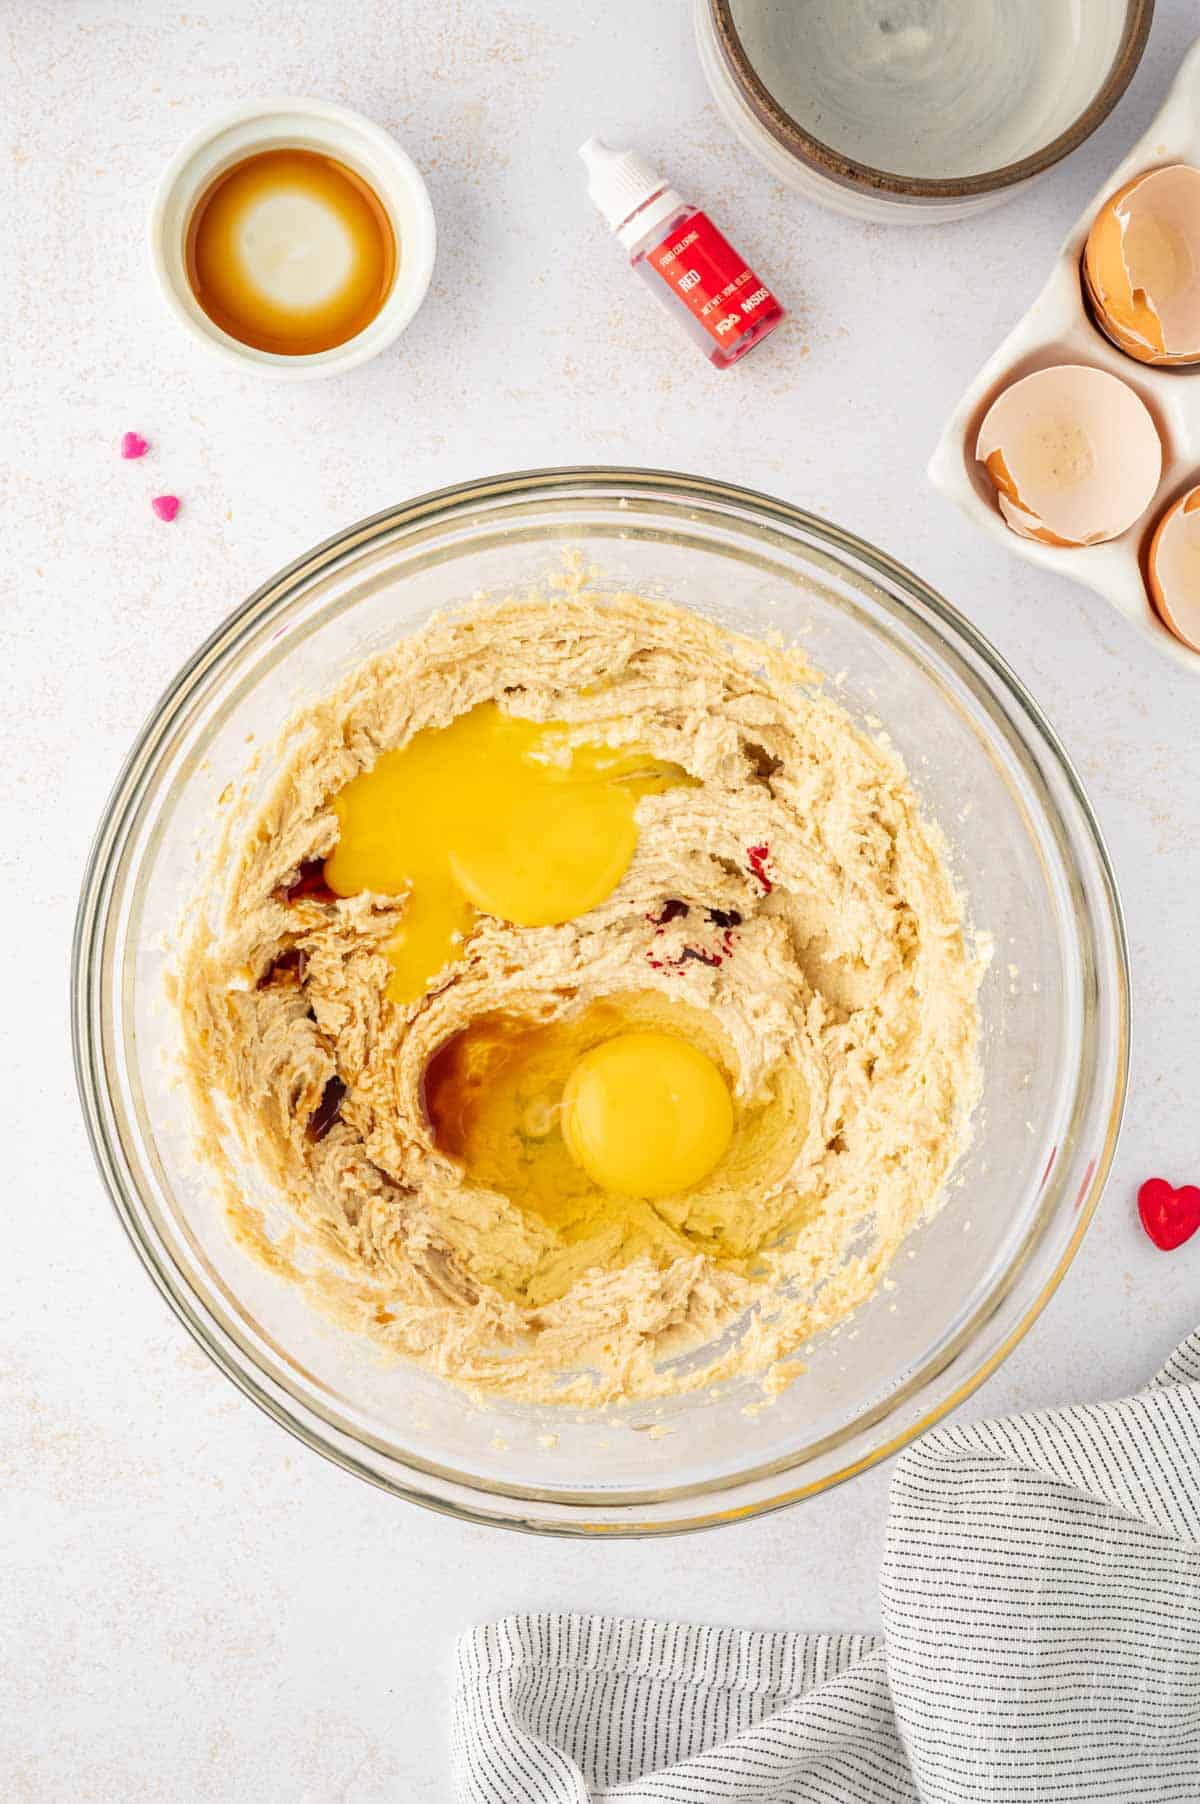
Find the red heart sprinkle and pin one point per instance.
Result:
(1169, 1216)
(134, 445)
(166, 506)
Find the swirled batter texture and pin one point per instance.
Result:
(789, 911)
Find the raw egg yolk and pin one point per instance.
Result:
(491, 814)
(646, 1114)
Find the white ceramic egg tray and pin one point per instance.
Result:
(1058, 329)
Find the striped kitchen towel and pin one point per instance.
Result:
(1041, 1611)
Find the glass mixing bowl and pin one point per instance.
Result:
(1054, 1005)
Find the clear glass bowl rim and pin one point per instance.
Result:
(596, 484)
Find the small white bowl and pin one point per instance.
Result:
(333, 131)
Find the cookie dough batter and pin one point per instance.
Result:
(788, 911)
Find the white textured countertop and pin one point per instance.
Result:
(204, 1609)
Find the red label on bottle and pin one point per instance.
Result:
(705, 271)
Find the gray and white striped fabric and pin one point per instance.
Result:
(1041, 1610)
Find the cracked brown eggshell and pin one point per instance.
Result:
(1141, 266)
(1073, 454)
(1173, 569)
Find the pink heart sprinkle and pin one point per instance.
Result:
(166, 506)
(134, 445)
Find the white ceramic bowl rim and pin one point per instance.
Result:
(310, 124)
(838, 167)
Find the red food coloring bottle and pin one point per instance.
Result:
(714, 294)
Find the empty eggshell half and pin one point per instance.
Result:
(1141, 266)
(1073, 453)
(1173, 568)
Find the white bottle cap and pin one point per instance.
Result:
(621, 183)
